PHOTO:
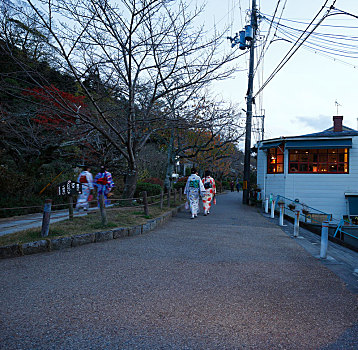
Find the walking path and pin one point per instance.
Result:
(25, 222)
(231, 280)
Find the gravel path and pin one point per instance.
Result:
(231, 280)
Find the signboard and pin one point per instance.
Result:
(69, 188)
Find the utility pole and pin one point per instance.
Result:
(249, 102)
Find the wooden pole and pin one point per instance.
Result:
(46, 218)
(168, 198)
(161, 199)
(102, 210)
(145, 203)
(70, 207)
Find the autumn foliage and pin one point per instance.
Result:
(56, 109)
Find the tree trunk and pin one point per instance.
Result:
(130, 184)
(170, 161)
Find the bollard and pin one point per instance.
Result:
(296, 228)
(273, 209)
(145, 203)
(102, 210)
(282, 209)
(46, 218)
(175, 197)
(161, 199)
(180, 194)
(324, 240)
(266, 205)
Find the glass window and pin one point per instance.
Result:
(324, 161)
(275, 163)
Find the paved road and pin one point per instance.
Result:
(231, 280)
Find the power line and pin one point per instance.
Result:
(294, 49)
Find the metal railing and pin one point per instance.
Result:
(313, 215)
(309, 213)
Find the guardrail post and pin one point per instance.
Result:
(102, 210)
(324, 240)
(266, 205)
(145, 203)
(296, 228)
(282, 209)
(46, 218)
(161, 199)
(273, 202)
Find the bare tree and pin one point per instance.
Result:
(202, 129)
(142, 51)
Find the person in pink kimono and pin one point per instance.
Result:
(210, 191)
(194, 187)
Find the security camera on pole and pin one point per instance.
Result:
(246, 39)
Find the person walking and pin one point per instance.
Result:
(104, 183)
(238, 186)
(193, 188)
(210, 191)
(86, 179)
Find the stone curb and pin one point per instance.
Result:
(48, 245)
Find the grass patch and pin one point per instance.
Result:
(117, 217)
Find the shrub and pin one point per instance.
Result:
(226, 184)
(154, 180)
(219, 186)
(152, 189)
(181, 183)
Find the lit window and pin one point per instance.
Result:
(275, 160)
(320, 161)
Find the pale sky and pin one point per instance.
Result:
(301, 97)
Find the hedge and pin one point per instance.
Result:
(151, 189)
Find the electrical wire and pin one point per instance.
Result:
(297, 45)
(267, 36)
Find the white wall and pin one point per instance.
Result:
(324, 192)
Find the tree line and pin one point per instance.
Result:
(100, 81)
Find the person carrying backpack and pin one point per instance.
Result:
(104, 183)
(210, 191)
(86, 179)
(193, 188)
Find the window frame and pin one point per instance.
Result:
(279, 152)
(320, 159)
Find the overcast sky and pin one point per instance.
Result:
(301, 97)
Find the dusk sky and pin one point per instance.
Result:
(301, 98)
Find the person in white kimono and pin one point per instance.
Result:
(194, 187)
(86, 179)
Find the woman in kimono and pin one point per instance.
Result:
(104, 183)
(86, 179)
(210, 191)
(194, 187)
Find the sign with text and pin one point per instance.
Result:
(69, 188)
